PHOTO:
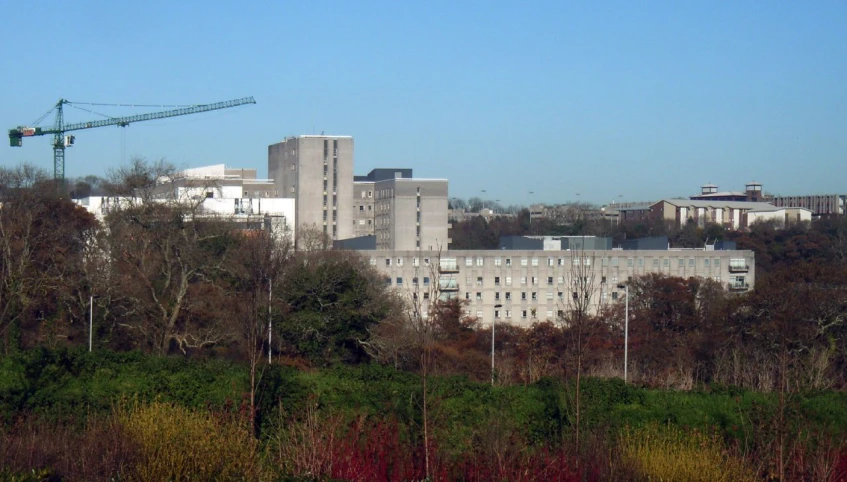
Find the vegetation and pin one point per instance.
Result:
(366, 383)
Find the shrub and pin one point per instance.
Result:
(667, 453)
(176, 443)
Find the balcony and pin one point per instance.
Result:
(448, 285)
(738, 286)
(738, 268)
(448, 266)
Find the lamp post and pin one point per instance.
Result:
(530, 208)
(493, 321)
(270, 325)
(90, 323)
(625, 333)
(483, 202)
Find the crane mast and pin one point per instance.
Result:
(62, 141)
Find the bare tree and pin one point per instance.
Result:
(577, 318)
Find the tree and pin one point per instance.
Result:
(256, 265)
(165, 255)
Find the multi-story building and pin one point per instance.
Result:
(752, 193)
(363, 198)
(819, 205)
(411, 214)
(523, 286)
(317, 172)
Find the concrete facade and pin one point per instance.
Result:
(363, 208)
(411, 214)
(534, 286)
(317, 172)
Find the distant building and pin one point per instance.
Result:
(363, 198)
(317, 172)
(411, 214)
(752, 193)
(822, 205)
(730, 214)
(526, 286)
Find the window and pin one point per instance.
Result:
(534, 280)
(508, 296)
(549, 280)
(399, 261)
(614, 295)
(416, 262)
(468, 280)
(496, 281)
(535, 261)
(614, 261)
(706, 262)
(602, 279)
(523, 280)
(478, 296)
(560, 280)
(399, 281)
(523, 295)
(467, 295)
(666, 262)
(682, 262)
(655, 262)
(523, 261)
(373, 261)
(523, 313)
(388, 261)
(388, 281)
(561, 262)
(549, 261)
(479, 314)
(496, 313)
(629, 262)
(508, 281)
(640, 262)
(426, 295)
(479, 261)
(468, 261)
(497, 261)
(717, 263)
(549, 295)
(691, 262)
(497, 296)
(549, 314)
(426, 281)
(362, 207)
(479, 280)
(534, 296)
(560, 295)
(415, 281)
(508, 261)
(508, 313)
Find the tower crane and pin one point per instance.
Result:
(59, 130)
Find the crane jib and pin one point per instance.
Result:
(16, 135)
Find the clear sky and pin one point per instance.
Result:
(630, 100)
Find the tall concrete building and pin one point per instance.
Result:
(411, 214)
(317, 172)
(363, 198)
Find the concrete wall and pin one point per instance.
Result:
(363, 208)
(317, 171)
(411, 214)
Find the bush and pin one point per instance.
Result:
(176, 443)
(666, 453)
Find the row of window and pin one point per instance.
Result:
(449, 263)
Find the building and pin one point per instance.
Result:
(524, 286)
(410, 214)
(752, 193)
(731, 214)
(317, 172)
(820, 205)
(215, 181)
(363, 199)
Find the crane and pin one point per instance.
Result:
(60, 129)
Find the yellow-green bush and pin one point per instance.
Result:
(659, 453)
(176, 443)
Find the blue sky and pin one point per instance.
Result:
(613, 100)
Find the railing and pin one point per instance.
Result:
(739, 268)
(738, 286)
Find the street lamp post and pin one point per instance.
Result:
(625, 333)
(493, 321)
(90, 323)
